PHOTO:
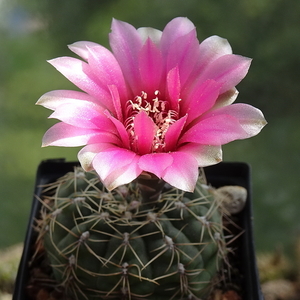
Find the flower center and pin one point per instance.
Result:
(158, 110)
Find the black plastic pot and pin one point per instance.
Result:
(225, 173)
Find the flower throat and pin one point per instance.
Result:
(158, 110)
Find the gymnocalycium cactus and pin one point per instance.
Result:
(151, 112)
(126, 244)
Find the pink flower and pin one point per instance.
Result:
(160, 102)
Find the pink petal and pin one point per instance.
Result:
(122, 133)
(200, 99)
(66, 135)
(83, 115)
(250, 118)
(177, 168)
(228, 69)
(81, 48)
(174, 88)
(215, 130)
(173, 133)
(211, 49)
(82, 76)
(183, 172)
(87, 154)
(53, 99)
(205, 155)
(155, 163)
(115, 96)
(105, 66)
(226, 98)
(116, 166)
(150, 62)
(126, 44)
(144, 130)
(174, 29)
(149, 32)
(183, 53)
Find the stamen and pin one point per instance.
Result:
(144, 95)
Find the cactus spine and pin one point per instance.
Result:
(131, 243)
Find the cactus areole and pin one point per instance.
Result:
(127, 244)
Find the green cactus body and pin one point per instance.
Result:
(114, 245)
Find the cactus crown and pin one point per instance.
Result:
(134, 242)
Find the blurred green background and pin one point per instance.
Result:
(32, 31)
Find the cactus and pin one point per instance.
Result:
(134, 242)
